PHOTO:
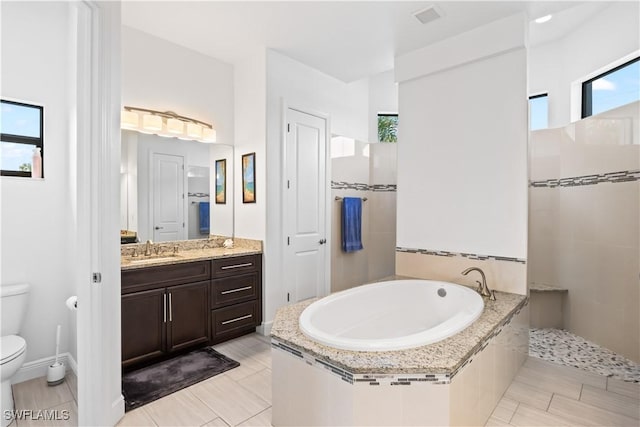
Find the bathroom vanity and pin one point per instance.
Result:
(182, 301)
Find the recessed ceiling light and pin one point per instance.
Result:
(543, 19)
(428, 14)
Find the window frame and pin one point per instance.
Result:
(586, 88)
(35, 142)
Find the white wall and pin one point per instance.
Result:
(607, 36)
(37, 215)
(462, 163)
(250, 133)
(383, 98)
(302, 87)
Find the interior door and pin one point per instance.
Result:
(305, 205)
(168, 198)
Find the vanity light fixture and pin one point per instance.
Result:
(167, 124)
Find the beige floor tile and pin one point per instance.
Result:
(528, 416)
(136, 418)
(550, 381)
(63, 415)
(181, 408)
(613, 402)
(584, 414)
(568, 372)
(36, 394)
(496, 422)
(249, 364)
(527, 394)
(72, 382)
(259, 383)
(218, 422)
(505, 409)
(263, 419)
(13, 423)
(624, 387)
(232, 402)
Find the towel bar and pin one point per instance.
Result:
(364, 199)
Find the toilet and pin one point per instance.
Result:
(13, 347)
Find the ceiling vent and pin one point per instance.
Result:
(429, 14)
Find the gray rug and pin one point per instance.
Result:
(153, 382)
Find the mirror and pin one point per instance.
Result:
(168, 189)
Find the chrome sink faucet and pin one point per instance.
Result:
(147, 248)
(483, 289)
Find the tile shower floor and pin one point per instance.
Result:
(542, 394)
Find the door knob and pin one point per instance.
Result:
(323, 241)
(158, 228)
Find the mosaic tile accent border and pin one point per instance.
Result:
(395, 379)
(459, 254)
(342, 185)
(576, 181)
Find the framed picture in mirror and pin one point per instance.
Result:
(221, 182)
(249, 178)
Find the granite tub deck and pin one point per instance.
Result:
(188, 251)
(442, 358)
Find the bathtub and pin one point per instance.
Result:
(392, 315)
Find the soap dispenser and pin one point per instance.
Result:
(36, 163)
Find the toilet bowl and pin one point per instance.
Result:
(13, 348)
(14, 351)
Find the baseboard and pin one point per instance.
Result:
(38, 368)
(117, 410)
(265, 328)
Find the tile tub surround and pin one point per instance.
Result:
(308, 390)
(189, 251)
(503, 273)
(444, 357)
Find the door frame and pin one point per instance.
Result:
(285, 106)
(97, 144)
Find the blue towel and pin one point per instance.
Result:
(203, 208)
(351, 224)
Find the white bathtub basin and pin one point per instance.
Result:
(393, 315)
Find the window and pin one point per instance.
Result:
(20, 134)
(538, 112)
(387, 127)
(611, 89)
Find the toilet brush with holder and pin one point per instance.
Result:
(55, 372)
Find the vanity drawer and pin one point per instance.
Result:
(235, 320)
(164, 275)
(234, 289)
(234, 265)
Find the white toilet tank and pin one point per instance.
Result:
(14, 306)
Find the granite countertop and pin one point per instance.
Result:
(188, 251)
(540, 287)
(443, 357)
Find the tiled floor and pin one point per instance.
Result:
(59, 401)
(547, 394)
(565, 348)
(543, 394)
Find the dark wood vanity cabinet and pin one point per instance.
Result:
(236, 294)
(170, 308)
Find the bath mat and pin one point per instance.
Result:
(153, 382)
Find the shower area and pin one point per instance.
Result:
(368, 171)
(584, 235)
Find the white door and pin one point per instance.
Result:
(168, 198)
(305, 204)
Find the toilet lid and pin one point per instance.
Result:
(11, 347)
